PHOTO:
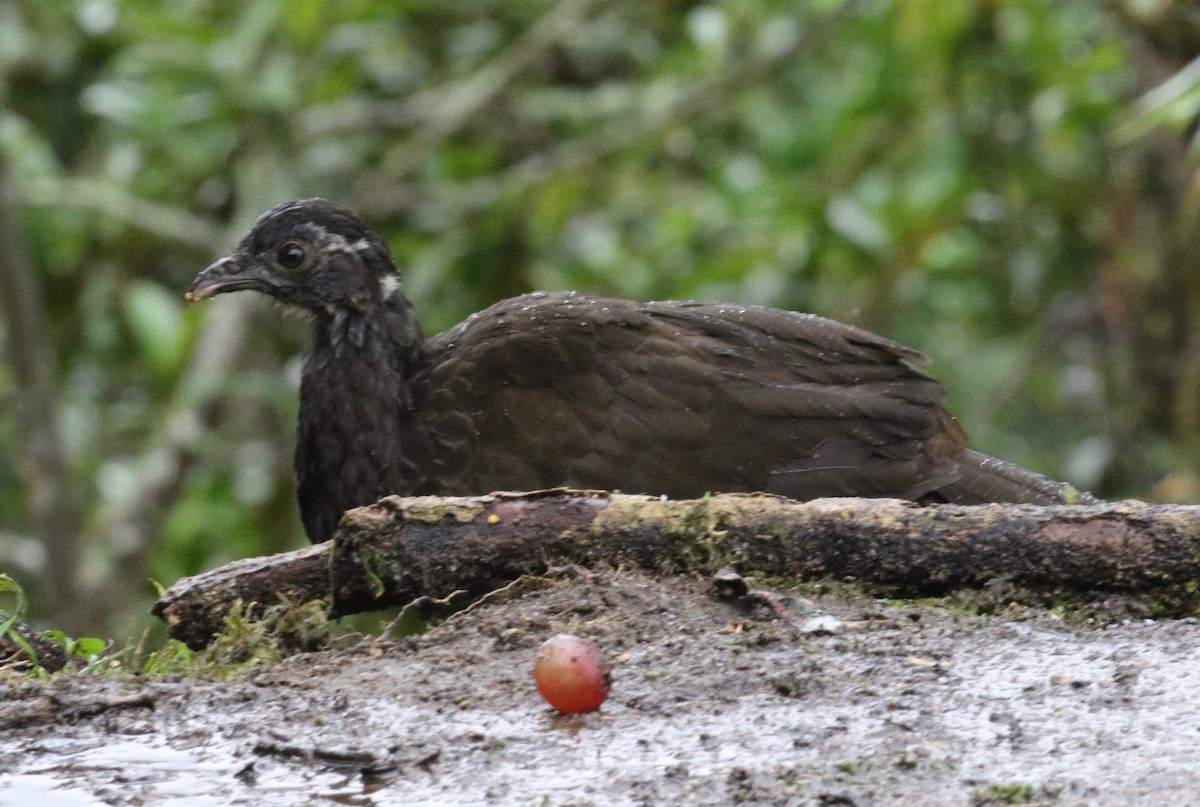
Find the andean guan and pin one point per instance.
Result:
(565, 389)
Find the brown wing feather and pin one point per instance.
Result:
(684, 399)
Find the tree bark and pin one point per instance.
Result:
(399, 549)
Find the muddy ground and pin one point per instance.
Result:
(855, 702)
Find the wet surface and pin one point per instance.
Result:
(856, 702)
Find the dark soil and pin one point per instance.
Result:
(845, 701)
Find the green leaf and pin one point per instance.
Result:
(155, 319)
(88, 646)
(1173, 104)
(10, 586)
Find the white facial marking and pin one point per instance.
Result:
(388, 285)
(335, 242)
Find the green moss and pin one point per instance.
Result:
(374, 570)
(436, 510)
(248, 638)
(1007, 793)
(851, 767)
(693, 534)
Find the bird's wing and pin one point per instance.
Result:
(687, 398)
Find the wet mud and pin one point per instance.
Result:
(845, 701)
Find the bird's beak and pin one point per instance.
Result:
(227, 274)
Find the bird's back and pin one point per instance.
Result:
(681, 398)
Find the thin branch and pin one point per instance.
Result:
(655, 113)
(55, 507)
(453, 106)
(178, 432)
(88, 194)
(442, 110)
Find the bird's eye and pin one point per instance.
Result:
(290, 255)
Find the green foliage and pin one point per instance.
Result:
(173, 658)
(83, 655)
(155, 320)
(988, 182)
(1174, 103)
(250, 636)
(10, 586)
(1010, 793)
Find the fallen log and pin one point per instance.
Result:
(399, 549)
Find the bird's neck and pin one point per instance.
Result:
(385, 336)
(357, 413)
(365, 359)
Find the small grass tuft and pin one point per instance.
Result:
(40, 654)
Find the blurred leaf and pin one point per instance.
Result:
(155, 318)
(88, 646)
(7, 584)
(1174, 103)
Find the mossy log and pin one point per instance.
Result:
(400, 549)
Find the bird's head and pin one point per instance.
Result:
(310, 253)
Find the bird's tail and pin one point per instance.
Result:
(987, 479)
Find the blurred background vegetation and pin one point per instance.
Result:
(1007, 185)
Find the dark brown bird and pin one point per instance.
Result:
(543, 390)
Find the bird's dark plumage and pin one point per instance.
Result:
(543, 390)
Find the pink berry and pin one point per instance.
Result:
(570, 674)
